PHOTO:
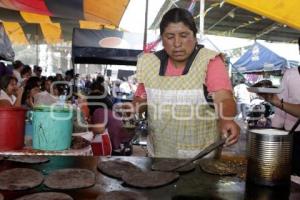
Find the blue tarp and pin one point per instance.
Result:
(260, 58)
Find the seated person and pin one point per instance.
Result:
(50, 95)
(107, 119)
(10, 94)
(98, 97)
(32, 88)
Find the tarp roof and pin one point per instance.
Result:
(52, 21)
(260, 58)
(282, 11)
(253, 19)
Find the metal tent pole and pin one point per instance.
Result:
(201, 19)
(146, 24)
(37, 45)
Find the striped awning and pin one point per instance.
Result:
(52, 21)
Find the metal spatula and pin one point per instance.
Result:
(202, 153)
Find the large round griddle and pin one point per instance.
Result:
(149, 179)
(217, 167)
(117, 168)
(167, 165)
(121, 195)
(29, 159)
(70, 179)
(46, 196)
(20, 179)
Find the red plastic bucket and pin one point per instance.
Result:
(12, 127)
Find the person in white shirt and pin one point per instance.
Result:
(125, 87)
(10, 94)
(37, 71)
(116, 91)
(243, 98)
(287, 111)
(18, 67)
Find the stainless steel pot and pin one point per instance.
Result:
(269, 154)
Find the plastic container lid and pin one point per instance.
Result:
(55, 108)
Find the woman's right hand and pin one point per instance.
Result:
(20, 91)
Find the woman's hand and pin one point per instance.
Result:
(230, 130)
(226, 108)
(19, 92)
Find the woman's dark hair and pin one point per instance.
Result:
(51, 78)
(177, 15)
(100, 79)
(96, 85)
(25, 70)
(31, 83)
(70, 73)
(17, 64)
(5, 80)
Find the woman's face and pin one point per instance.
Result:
(48, 86)
(34, 91)
(27, 75)
(12, 87)
(179, 42)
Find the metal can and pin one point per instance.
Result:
(269, 155)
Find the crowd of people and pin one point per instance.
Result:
(25, 87)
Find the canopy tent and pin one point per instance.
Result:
(282, 11)
(262, 19)
(52, 21)
(259, 58)
(106, 47)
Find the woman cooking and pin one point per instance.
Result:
(173, 86)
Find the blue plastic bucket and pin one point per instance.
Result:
(52, 128)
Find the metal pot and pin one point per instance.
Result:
(269, 154)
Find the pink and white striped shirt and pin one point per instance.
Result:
(291, 94)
